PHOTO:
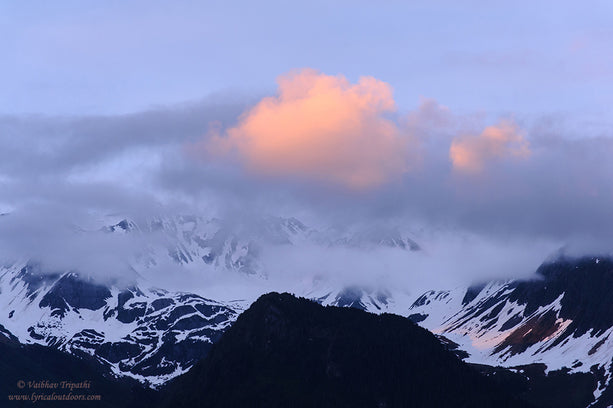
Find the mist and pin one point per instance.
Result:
(483, 197)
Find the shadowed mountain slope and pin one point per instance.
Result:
(24, 367)
(285, 351)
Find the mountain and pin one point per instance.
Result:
(151, 335)
(358, 297)
(284, 351)
(214, 244)
(529, 336)
(298, 339)
(561, 319)
(130, 327)
(234, 246)
(28, 370)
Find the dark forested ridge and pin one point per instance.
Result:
(22, 367)
(285, 351)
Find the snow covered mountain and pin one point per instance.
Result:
(214, 244)
(133, 328)
(562, 318)
(211, 244)
(148, 334)
(358, 298)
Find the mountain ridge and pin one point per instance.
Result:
(561, 318)
(286, 351)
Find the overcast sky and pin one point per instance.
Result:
(472, 120)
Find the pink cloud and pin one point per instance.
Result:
(320, 127)
(471, 153)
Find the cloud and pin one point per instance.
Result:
(471, 154)
(320, 127)
(353, 163)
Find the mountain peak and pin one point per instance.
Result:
(288, 351)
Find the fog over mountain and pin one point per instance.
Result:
(483, 197)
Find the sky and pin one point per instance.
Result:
(82, 57)
(482, 129)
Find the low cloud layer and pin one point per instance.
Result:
(334, 154)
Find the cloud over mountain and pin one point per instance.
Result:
(332, 153)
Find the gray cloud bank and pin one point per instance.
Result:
(56, 172)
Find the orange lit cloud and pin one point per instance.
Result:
(320, 127)
(471, 153)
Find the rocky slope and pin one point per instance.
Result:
(148, 334)
(563, 318)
